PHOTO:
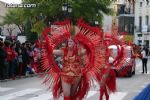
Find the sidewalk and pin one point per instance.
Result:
(21, 77)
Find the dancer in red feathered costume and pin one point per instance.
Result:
(115, 60)
(71, 71)
(108, 81)
(84, 59)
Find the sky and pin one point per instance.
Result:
(12, 1)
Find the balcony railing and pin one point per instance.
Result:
(148, 30)
(124, 10)
(139, 29)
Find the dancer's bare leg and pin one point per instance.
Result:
(75, 86)
(101, 92)
(66, 90)
(106, 93)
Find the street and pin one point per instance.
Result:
(32, 88)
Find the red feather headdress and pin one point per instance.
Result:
(94, 42)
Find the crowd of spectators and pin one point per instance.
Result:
(18, 59)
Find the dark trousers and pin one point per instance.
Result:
(4, 70)
(144, 64)
(11, 69)
(2, 67)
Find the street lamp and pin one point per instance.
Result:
(49, 23)
(96, 23)
(67, 9)
(64, 7)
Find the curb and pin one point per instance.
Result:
(21, 77)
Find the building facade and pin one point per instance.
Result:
(109, 21)
(125, 16)
(142, 22)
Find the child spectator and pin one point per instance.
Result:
(29, 70)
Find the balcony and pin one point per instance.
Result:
(140, 29)
(122, 10)
(126, 23)
(148, 30)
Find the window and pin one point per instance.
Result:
(146, 42)
(147, 20)
(140, 4)
(139, 35)
(131, 28)
(139, 42)
(140, 23)
(147, 2)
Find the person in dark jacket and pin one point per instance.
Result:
(3, 55)
(25, 58)
(144, 54)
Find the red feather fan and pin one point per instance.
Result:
(92, 39)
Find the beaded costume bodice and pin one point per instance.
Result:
(72, 65)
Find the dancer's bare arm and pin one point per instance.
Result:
(58, 52)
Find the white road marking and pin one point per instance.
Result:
(45, 96)
(117, 96)
(143, 86)
(19, 93)
(48, 95)
(3, 89)
(113, 96)
(91, 93)
(137, 91)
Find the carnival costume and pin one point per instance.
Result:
(119, 63)
(94, 69)
(71, 70)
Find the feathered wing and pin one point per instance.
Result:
(53, 37)
(91, 37)
(122, 58)
(122, 55)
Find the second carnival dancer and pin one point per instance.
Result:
(84, 59)
(108, 81)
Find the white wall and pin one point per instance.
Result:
(143, 12)
(107, 23)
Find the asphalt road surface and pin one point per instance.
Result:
(33, 89)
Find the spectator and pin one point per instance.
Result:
(36, 58)
(144, 54)
(20, 61)
(25, 57)
(29, 70)
(3, 56)
(14, 61)
(8, 59)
